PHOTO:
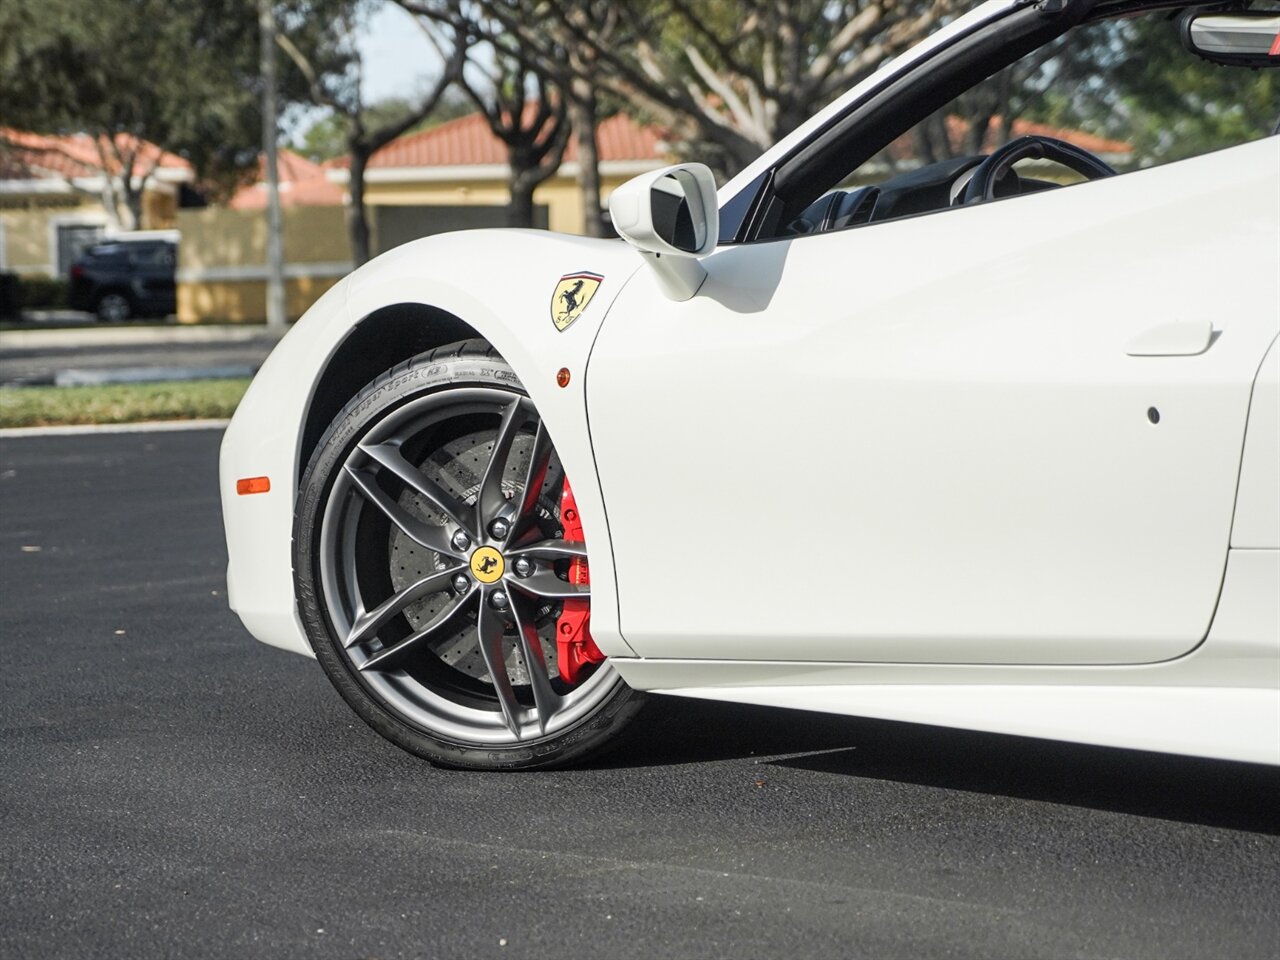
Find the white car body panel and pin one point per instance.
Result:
(264, 437)
(512, 313)
(1221, 700)
(1142, 614)
(1257, 520)
(948, 464)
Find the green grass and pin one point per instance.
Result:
(119, 403)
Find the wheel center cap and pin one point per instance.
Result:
(487, 565)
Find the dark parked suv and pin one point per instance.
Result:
(125, 278)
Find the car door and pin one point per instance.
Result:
(930, 440)
(153, 277)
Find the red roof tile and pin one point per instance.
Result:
(468, 141)
(957, 128)
(38, 156)
(302, 184)
(621, 138)
(1086, 141)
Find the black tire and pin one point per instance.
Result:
(419, 674)
(114, 307)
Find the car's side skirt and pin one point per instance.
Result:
(1221, 700)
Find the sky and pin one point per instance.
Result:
(398, 59)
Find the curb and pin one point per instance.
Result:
(125, 336)
(114, 375)
(145, 426)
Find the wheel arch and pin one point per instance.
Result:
(410, 300)
(389, 335)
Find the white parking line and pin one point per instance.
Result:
(148, 426)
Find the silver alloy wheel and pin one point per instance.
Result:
(421, 588)
(114, 308)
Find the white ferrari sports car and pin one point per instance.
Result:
(991, 441)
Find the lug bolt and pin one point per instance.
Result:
(499, 529)
(461, 541)
(498, 600)
(461, 584)
(523, 567)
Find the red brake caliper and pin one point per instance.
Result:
(574, 646)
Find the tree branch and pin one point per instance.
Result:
(315, 87)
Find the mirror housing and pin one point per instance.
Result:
(1245, 39)
(671, 216)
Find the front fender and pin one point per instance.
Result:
(500, 282)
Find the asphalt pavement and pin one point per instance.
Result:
(170, 788)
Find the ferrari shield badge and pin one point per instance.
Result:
(573, 293)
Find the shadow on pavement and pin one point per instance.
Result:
(1218, 793)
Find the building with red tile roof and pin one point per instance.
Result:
(303, 183)
(468, 142)
(53, 189)
(459, 170)
(37, 156)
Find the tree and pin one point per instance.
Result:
(544, 32)
(964, 126)
(522, 103)
(1133, 80)
(179, 74)
(1128, 80)
(736, 78)
(326, 136)
(527, 113)
(318, 36)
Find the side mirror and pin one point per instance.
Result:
(671, 217)
(1248, 39)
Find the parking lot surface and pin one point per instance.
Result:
(169, 788)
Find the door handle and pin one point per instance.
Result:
(1182, 338)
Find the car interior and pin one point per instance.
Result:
(837, 181)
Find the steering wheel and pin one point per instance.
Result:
(982, 185)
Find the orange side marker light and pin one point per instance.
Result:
(562, 377)
(253, 485)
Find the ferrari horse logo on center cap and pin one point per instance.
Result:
(487, 565)
(573, 293)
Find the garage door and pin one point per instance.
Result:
(396, 225)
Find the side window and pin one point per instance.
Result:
(155, 255)
(1106, 98)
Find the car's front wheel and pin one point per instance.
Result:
(113, 308)
(441, 571)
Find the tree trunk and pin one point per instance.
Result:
(111, 201)
(357, 214)
(582, 119)
(520, 207)
(132, 219)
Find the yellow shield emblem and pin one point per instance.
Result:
(573, 293)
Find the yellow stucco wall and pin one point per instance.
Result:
(28, 232)
(214, 237)
(159, 210)
(245, 301)
(223, 255)
(26, 240)
(560, 195)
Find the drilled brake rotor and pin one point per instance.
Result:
(458, 466)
